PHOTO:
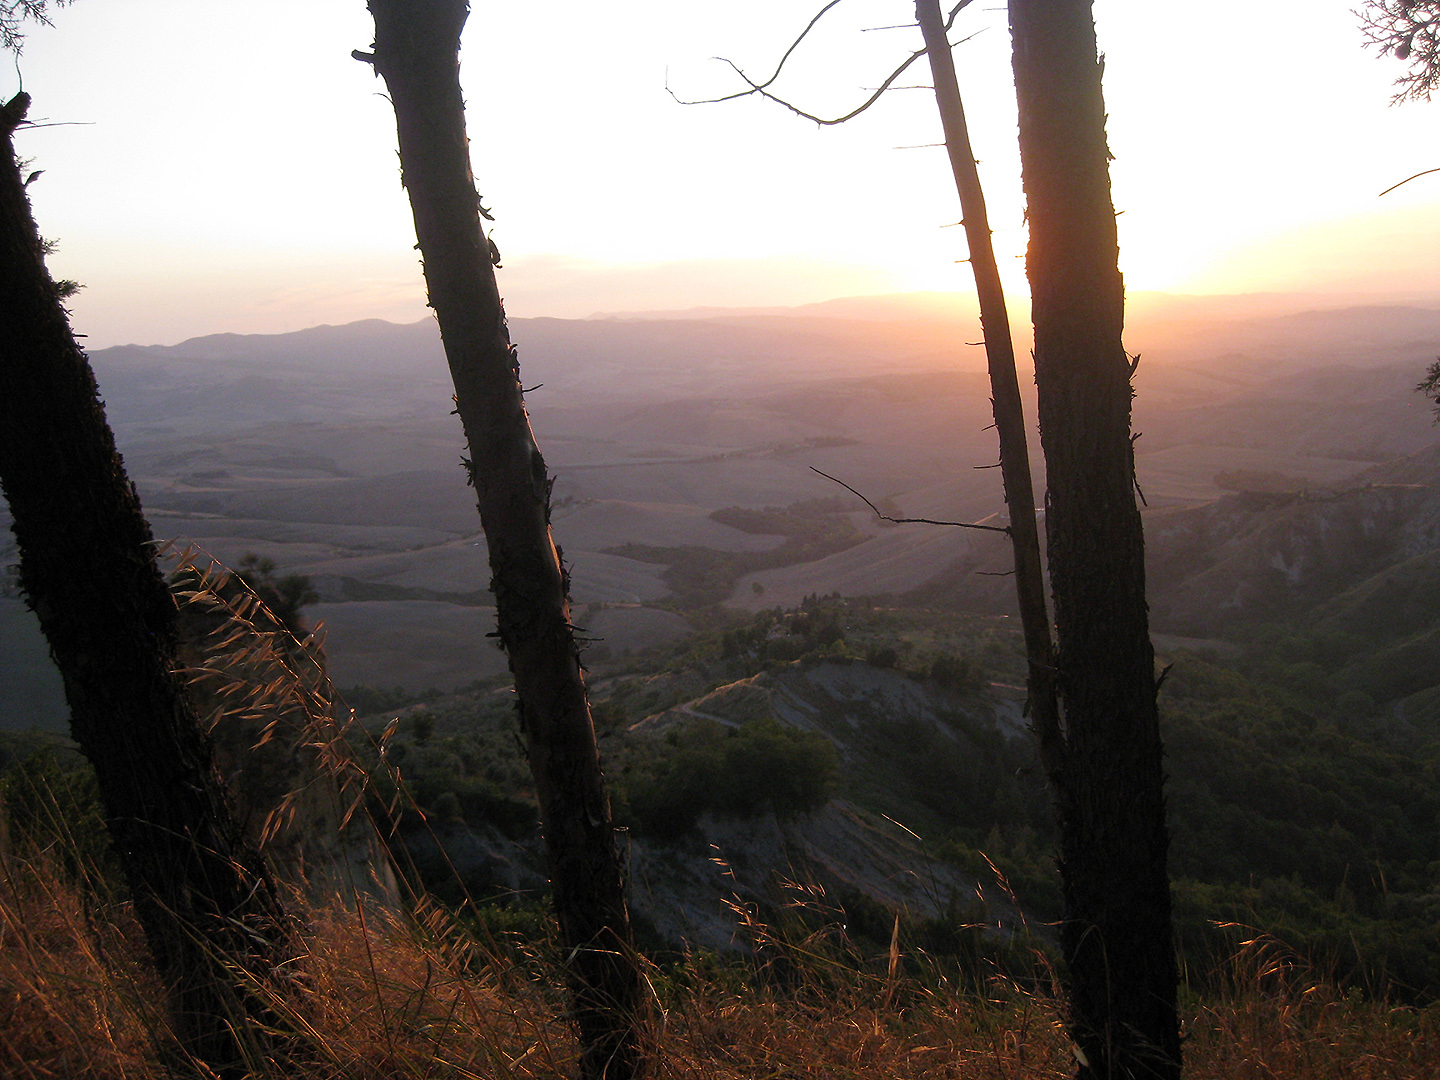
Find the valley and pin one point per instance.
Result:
(330, 451)
(734, 598)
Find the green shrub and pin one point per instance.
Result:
(737, 772)
(955, 672)
(50, 800)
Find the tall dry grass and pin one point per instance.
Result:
(420, 995)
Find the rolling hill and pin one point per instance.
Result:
(331, 451)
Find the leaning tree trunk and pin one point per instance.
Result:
(1004, 385)
(417, 44)
(1116, 935)
(87, 567)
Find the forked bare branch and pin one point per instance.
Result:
(761, 88)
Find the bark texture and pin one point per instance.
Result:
(416, 50)
(1004, 385)
(1117, 935)
(87, 567)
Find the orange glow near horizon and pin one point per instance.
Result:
(266, 197)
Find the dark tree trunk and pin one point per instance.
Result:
(87, 566)
(1117, 934)
(1004, 385)
(417, 44)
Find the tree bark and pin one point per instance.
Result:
(416, 50)
(87, 566)
(1004, 386)
(1117, 934)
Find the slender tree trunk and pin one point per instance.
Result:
(1117, 935)
(87, 566)
(416, 50)
(1004, 385)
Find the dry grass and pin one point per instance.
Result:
(77, 998)
(418, 996)
(383, 996)
(1274, 1017)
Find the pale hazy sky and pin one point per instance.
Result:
(228, 166)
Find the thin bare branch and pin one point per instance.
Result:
(1407, 180)
(910, 521)
(778, 67)
(761, 87)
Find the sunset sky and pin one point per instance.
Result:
(228, 167)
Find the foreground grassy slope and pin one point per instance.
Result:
(1287, 819)
(423, 995)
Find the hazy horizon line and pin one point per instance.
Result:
(923, 305)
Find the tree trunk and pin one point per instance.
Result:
(1004, 385)
(87, 566)
(1117, 935)
(416, 50)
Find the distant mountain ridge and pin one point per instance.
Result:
(908, 328)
